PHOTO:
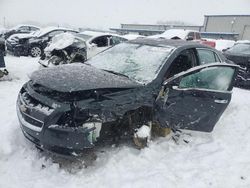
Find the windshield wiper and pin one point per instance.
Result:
(116, 73)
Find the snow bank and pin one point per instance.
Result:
(143, 132)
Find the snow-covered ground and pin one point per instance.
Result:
(220, 159)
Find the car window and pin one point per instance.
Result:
(214, 78)
(33, 28)
(240, 48)
(184, 61)
(197, 36)
(23, 28)
(207, 56)
(72, 32)
(190, 36)
(116, 40)
(101, 41)
(53, 33)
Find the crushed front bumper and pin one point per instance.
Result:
(42, 129)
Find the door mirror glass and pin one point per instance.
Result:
(213, 78)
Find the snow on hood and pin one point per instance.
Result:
(21, 35)
(79, 77)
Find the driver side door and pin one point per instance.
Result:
(196, 99)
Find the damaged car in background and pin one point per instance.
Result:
(240, 55)
(99, 41)
(33, 44)
(125, 93)
(64, 48)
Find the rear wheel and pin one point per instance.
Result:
(35, 51)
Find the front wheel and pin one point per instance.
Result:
(35, 51)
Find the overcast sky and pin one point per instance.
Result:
(103, 14)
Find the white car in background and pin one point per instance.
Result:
(99, 41)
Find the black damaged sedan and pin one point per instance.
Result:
(125, 92)
(240, 55)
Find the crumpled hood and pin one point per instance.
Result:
(79, 77)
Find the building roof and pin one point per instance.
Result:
(232, 15)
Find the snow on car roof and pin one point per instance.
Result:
(171, 33)
(242, 42)
(27, 25)
(45, 30)
(167, 42)
(93, 34)
(132, 36)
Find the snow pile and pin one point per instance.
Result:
(219, 159)
(143, 132)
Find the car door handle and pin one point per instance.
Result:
(221, 101)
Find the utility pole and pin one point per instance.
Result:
(4, 22)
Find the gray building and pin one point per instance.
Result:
(214, 26)
(238, 24)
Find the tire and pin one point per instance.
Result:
(35, 51)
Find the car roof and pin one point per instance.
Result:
(26, 25)
(98, 34)
(45, 30)
(167, 42)
(171, 33)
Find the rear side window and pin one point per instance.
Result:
(207, 56)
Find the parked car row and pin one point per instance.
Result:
(34, 43)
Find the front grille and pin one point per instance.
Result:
(35, 104)
(32, 120)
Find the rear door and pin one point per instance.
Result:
(196, 99)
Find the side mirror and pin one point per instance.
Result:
(223, 50)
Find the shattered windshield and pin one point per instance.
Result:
(136, 61)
